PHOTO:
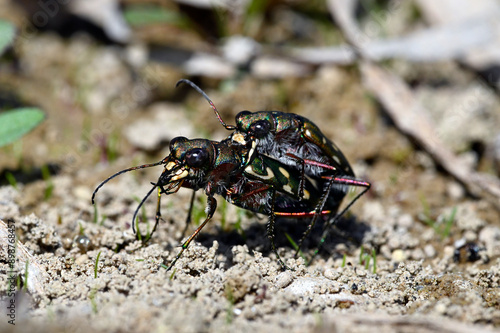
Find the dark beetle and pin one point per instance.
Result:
(298, 143)
(293, 140)
(239, 174)
(288, 137)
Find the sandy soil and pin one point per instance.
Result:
(219, 286)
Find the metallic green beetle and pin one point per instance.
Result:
(239, 174)
(298, 143)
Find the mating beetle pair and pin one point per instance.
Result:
(274, 163)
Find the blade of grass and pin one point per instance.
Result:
(111, 149)
(11, 179)
(367, 261)
(374, 257)
(173, 272)
(93, 302)
(49, 185)
(96, 264)
(230, 307)
(295, 246)
(361, 254)
(448, 223)
(140, 15)
(25, 287)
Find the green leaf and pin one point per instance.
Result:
(16, 123)
(7, 33)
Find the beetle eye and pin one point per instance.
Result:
(260, 128)
(196, 157)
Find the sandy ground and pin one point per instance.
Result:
(230, 280)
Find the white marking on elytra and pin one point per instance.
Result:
(288, 189)
(285, 173)
(252, 172)
(337, 159)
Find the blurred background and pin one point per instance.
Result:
(407, 89)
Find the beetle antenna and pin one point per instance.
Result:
(123, 171)
(217, 114)
(140, 205)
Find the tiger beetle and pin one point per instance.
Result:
(239, 174)
(297, 142)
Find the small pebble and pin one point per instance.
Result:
(394, 243)
(405, 221)
(331, 274)
(82, 192)
(283, 279)
(430, 251)
(440, 308)
(470, 236)
(82, 259)
(239, 50)
(417, 254)
(399, 256)
(455, 191)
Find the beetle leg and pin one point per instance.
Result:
(157, 215)
(188, 217)
(312, 162)
(302, 162)
(158, 206)
(317, 213)
(254, 192)
(345, 181)
(211, 206)
(302, 180)
(303, 214)
(270, 232)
